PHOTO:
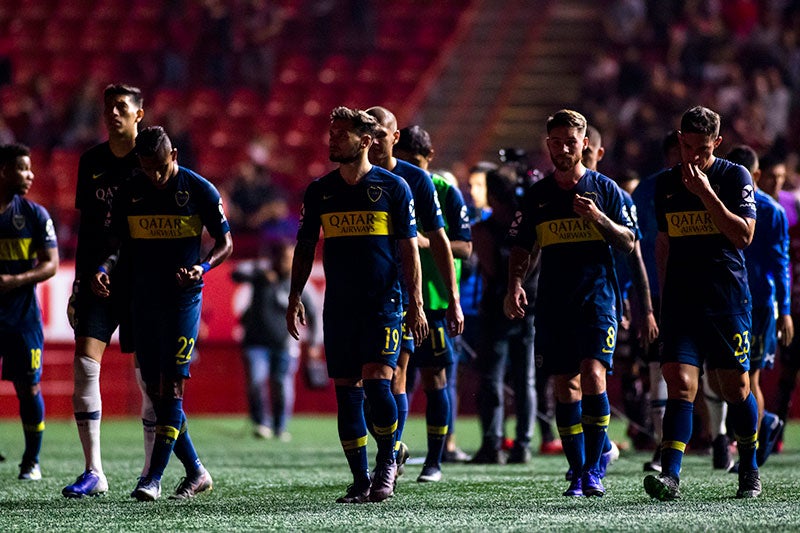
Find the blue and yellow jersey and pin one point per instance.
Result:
(705, 272)
(767, 257)
(163, 228)
(624, 275)
(361, 225)
(577, 266)
(100, 174)
(644, 198)
(426, 201)
(456, 225)
(25, 228)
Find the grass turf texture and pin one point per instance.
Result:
(272, 485)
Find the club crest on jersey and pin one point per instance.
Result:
(18, 221)
(374, 193)
(182, 198)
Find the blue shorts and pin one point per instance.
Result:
(97, 318)
(562, 343)
(351, 342)
(165, 335)
(407, 344)
(21, 352)
(720, 341)
(764, 338)
(438, 350)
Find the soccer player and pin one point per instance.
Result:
(573, 217)
(101, 171)
(436, 359)
(429, 221)
(160, 215)
(644, 197)
(367, 217)
(28, 255)
(706, 215)
(631, 272)
(767, 261)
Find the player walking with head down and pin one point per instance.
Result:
(573, 217)
(706, 215)
(160, 214)
(28, 255)
(367, 216)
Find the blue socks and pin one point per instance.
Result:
(744, 416)
(570, 429)
(31, 411)
(353, 431)
(677, 432)
(437, 413)
(384, 412)
(595, 418)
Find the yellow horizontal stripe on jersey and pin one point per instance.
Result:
(356, 224)
(354, 444)
(437, 430)
(15, 249)
(385, 430)
(690, 223)
(164, 226)
(577, 429)
(674, 445)
(566, 230)
(602, 421)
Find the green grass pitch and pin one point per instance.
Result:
(271, 485)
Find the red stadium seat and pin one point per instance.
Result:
(62, 172)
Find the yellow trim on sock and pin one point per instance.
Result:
(601, 421)
(674, 445)
(168, 431)
(385, 431)
(437, 430)
(354, 444)
(748, 442)
(35, 428)
(577, 429)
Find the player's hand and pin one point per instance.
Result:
(785, 327)
(7, 283)
(514, 303)
(189, 276)
(295, 315)
(455, 319)
(101, 284)
(695, 179)
(585, 208)
(417, 323)
(648, 331)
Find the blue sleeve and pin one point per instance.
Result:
(213, 214)
(630, 209)
(426, 202)
(455, 212)
(522, 232)
(46, 233)
(616, 207)
(782, 267)
(310, 221)
(740, 195)
(403, 206)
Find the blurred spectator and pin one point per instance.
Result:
(257, 208)
(84, 128)
(266, 350)
(259, 23)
